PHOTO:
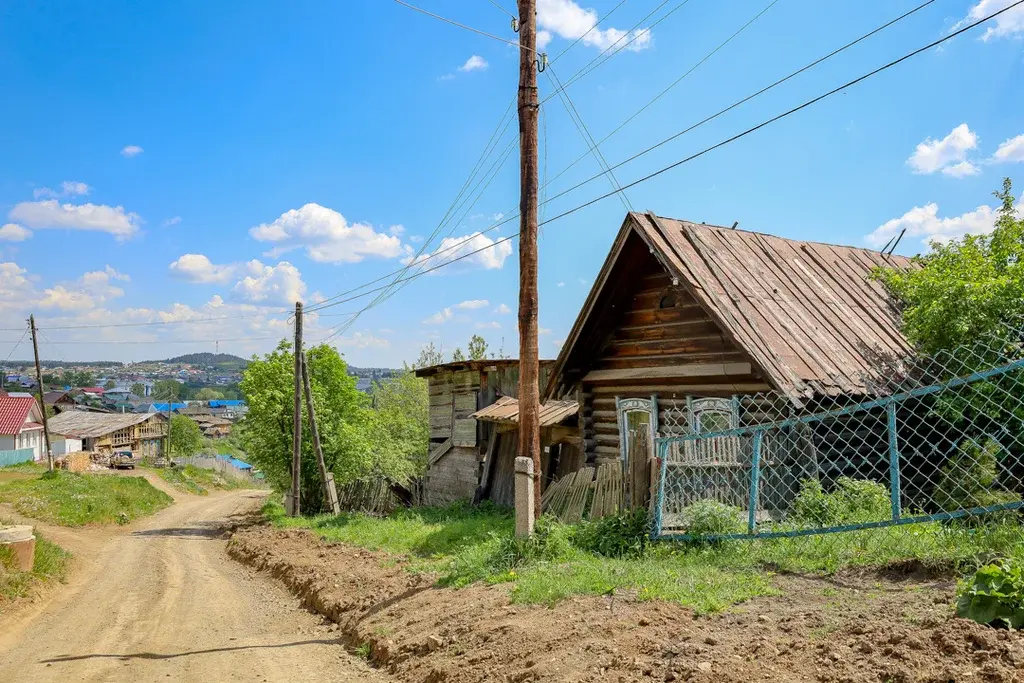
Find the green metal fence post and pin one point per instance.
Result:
(755, 481)
(894, 461)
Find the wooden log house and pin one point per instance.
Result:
(459, 443)
(687, 324)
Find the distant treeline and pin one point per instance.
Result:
(63, 363)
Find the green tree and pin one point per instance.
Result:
(354, 443)
(429, 355)
(966, 289)
(457, 356)
(167, 390)
(139, 389)
(186, 439)
(477, 347)
(110, 384)
(208, 394)
(403, 412)
(50, 378)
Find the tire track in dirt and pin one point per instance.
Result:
(165, 602)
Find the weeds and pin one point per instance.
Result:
(78, 499)
(51, 564)
(198, 481)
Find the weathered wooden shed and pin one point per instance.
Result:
(459, 442)
(686, 322)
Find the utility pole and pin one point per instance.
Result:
(330, 492)
(529, 365)
(297, 415)
(39, 386)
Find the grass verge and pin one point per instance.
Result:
(464, 545)
(51, 564)
(71, 499)
(199, 481)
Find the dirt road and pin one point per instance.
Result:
(164, 602)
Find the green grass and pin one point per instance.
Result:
(71, 499)
(24, 470)
(464, 545)
(198, 481)
(51, 564)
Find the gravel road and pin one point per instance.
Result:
(164, 602)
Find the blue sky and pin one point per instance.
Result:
(212, 162)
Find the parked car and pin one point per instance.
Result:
(124, 459)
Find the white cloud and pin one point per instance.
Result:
(16, 290)
(12, 232)
(92, 289)
(474, 63)
(68, 188)
(473, 304)
(474, 251)
(446, 77)
(964, 168)
(416, 238)
(131, 151)
(440, 317)
(543, 331)
(502, 309)
(543, 39)
(948, 155)
(171, 221)
(488, 326)
(327, 236)
(274, 284)
(99, 217)
(1011, 150)
(924, 222)
(396, 230)
(1007, 24)
(198, 269)
(568, 20)
(560, 284)
(362, 340)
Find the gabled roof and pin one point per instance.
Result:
(807, 313)
(51, 397)
(80, 424)
(14, 412)
(482, 364)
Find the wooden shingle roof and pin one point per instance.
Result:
(807, 313)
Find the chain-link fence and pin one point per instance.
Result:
(934, 446)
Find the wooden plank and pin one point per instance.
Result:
(464, 432)
(670, 371)
(439, 452)
(722, 389)
(728, 354)
(466, 401)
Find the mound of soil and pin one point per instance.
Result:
(854, 628)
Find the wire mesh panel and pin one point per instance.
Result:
(931, 441)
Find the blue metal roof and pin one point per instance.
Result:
(226, 403)
(162, 407)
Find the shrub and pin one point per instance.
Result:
(854, 501)
(623, 535)
(712, 518)
(994, 596)
(969, 478)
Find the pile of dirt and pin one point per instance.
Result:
(840, 629)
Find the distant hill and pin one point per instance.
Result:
(222, 361)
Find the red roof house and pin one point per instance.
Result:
(21, 425)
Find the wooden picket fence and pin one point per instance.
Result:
(585, 493)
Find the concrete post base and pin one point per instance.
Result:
(524, 497)
(22, 544)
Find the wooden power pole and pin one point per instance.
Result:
(529, 365)
(330, 492)
(39, 386)
(297, 416)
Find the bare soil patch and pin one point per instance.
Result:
(854, 627)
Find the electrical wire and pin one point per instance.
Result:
(16, 344)
(503, 9)
(683, 77)
(596, 24)
(513, 216)
(588, 139)
(462, 26)
(738, 136)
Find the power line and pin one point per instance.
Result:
(588, 139)
(678, 81)
(16, 345)
(596, 24)
(733, 138)
(514, 17)
(455, 23)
